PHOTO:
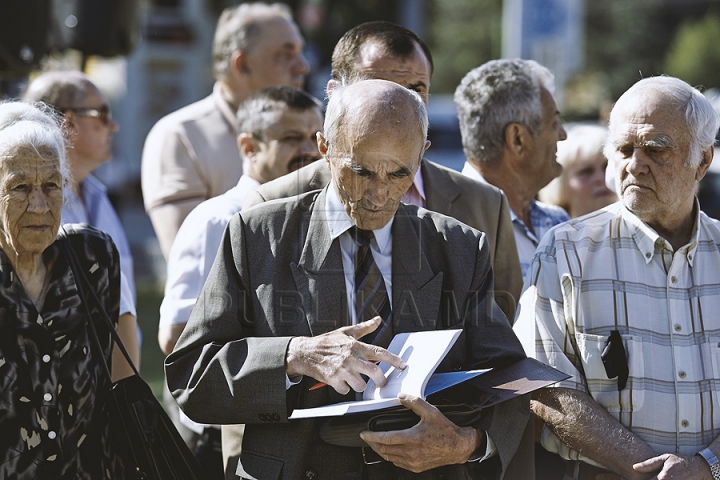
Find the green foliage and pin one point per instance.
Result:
(462, 35)
(694, 54)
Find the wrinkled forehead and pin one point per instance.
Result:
(647, 111)
(29, 161)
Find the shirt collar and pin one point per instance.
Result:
(225, 109)
(420, 184)
(646, 237)
(246, 181)
(339, 221)
(469, 171)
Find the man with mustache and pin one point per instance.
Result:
(276, 135)
(626, 299)
(191, 155)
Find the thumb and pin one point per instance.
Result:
(362, 329)
(649, 465)
(421, 408)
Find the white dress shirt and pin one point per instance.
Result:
(339, 222)
(194, 249)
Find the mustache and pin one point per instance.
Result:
(301, 161)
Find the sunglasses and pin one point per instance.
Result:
(103, 113)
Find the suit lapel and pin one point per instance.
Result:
(319, 273)
(416, 288)
(440, 189)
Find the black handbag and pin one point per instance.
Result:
(141, 433)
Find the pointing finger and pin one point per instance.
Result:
(361, 329)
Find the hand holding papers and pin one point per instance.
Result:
(421, 351)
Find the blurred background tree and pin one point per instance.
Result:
(462, 34)
(694, 54)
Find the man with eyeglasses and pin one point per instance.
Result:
(91, 126)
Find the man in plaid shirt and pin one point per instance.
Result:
(626, 300)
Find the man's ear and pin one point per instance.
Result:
(427, 145)
(705, 161)
(322, 146)
(238, 60)
(517, 139)
(332, 83)
(248, 145)
(68, 123)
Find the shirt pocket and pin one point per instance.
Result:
(605, 390)
(713, 345)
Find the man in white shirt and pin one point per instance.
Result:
(277, 128)
(625, 300)
(191, 155)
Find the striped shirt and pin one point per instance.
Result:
(610, 271)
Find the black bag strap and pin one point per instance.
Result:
(83, 285)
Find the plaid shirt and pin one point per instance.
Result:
(610, 271)
(543, 217)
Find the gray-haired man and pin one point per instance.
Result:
(626, 299)
(192, 155)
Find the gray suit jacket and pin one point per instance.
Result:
(278, 275)
(449, 192)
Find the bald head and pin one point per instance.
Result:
(374, 139)
(60, 90)
(370, 106)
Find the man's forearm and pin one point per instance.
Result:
(583, 425)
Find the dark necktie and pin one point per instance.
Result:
(371, 298)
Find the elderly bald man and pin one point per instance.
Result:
(278, 313)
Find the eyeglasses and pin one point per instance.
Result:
(103, 113)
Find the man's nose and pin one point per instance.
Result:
(562, 134)
(377, 193)
(38, 202)
(301, 65)
(637, 163)
(112, 125)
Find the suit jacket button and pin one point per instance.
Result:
(275, 417)
(310, 475)
(263, 417)
(457, 367)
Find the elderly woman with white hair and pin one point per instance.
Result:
(54, 391)
(580, 189)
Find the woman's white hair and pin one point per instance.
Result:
(34, 126)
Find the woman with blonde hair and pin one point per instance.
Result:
(580, 189)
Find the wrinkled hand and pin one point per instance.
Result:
(339, 359)
(435, 441)
(669, 466)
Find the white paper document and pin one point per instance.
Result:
(421, 351)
